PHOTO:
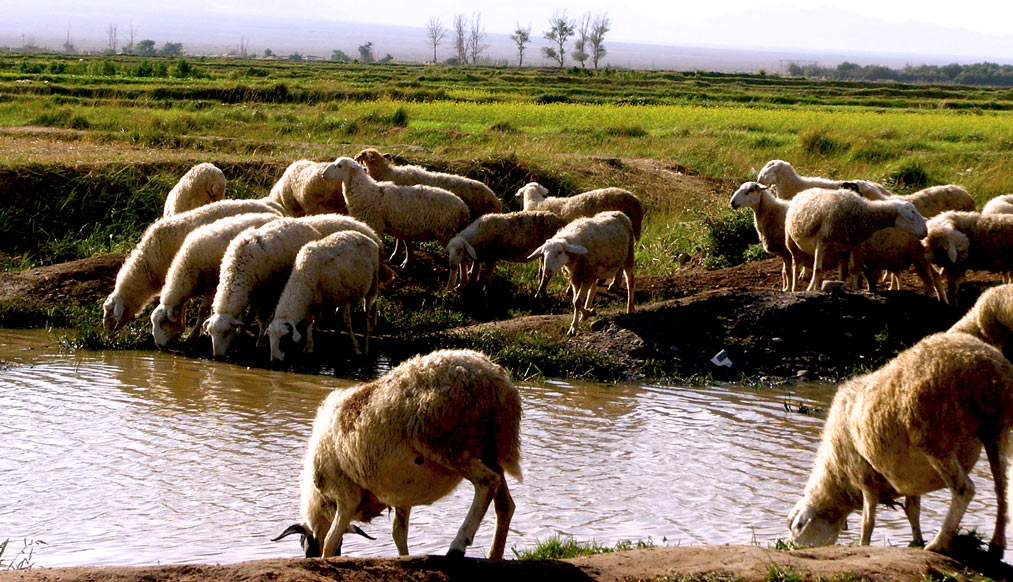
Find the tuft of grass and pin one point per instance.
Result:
(818, 142)
(909, 175)
(558, 548)
(778, 573)
(23, 559)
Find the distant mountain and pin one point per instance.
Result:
(731, 43)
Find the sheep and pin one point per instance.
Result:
(819, 220)
(339, 268)
(999, 205)
(929, 201)
(991, 318)
(303, 190)
(914, 426)
(782, 175)
(959, 241)
(406, 439)
(768, 219)
(140, 278)
(590, 249)
(254, 268)
(502, 237)
(892, 250)
(406, 212)
(202, 184)
(585, 204)
(194, 272)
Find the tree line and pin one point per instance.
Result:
(976, 74)
(468, 38)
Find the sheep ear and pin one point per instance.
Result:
(170, 314)
(118, 310)
(536, 252)
(470, 250)
(575, 249)
(951, 250)
(389, 158)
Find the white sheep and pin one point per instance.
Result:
(768, 219)
(929, 201)
(991, 318)
(336, 269)
(253, 272)
(782, 175)
(914, 426)
(589, 249)
(409, 438)
(820, 220)
(140, 278)
(409, 213)
(303, 190)
(194, 272)
(501, 237)
(584, 204)
(892, 250)
(962, 241)
(202, 184)
(999, 205)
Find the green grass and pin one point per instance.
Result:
(559, 548)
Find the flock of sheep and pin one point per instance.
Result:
(916, 425)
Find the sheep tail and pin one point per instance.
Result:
(506, 430)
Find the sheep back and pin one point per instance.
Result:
(608, 237)
(999, 205)
(202, 184)
(511, 236)
(991, 318)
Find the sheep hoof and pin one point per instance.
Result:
(455, 554)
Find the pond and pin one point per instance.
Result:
(133, 457)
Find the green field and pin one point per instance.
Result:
(91, 145)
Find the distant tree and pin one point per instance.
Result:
(521, 37)
(111, 33)
(386, 58)
(366, 52)
(560, 30)
(171, 49)
(129, 49)
(340, 56)
(451, 62)
(295, 57)
(580, 46)
(182, 69)
(476, 38)
(68, 47)
(434, 34)
(268, 53)
(599, 28)
(461, 38)
(146, 48)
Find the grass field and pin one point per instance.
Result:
(91, 145)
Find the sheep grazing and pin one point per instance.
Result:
(589, 249)
(406, 212)
(501, 237)
(585, 204)
(991, 318)
(930, 201)
(999, 205)
(336, 269)
(140, 278)
(202, 184)
(782, 175)
(253, 272)
(303, 190)
(959, 241)
(837, 221)
(914, 426)
(194, 272)
(406, 439)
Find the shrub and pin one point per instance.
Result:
(503, 126)
(909, 175)
(816, 142)
(728, 236)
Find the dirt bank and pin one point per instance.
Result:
(703, 563)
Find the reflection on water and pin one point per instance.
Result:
(143, 458)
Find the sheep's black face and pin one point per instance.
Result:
(309, 542)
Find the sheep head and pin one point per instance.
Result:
(556, 253)
(532, 193)
(459, 250)
(281, 330)
(166, 324)
(811, 525)
(310, 543)
(909, 219)
(376, 163)
(222, 329)
(944, 244)
(748, 195)
(115, 313)
(341, 169)
(772, 172)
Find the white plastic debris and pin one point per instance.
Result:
(722, 359)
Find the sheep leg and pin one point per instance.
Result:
(817, 265)
(400, 532)
(785, 285)
(961, 491)
(796, 255)
(629, 289)
(504, 513)
(407, 254)
(485, 276)
(869, 502)
(592, 290)
(308, 348)
(997, 451)
(913, 510)
(332, 542)
(346, 314)
(541, 276)
(578, 309)
(486, 482)
(397, 245)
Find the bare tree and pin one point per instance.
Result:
(434, 34)
(111, 32)
(366, 52)
(599, 28)
(476, 38)
(461, 39)
(68, 47)
(560, 30)
(521, 37)
(129, 49)
(580, 46)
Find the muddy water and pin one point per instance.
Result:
(144, 458)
